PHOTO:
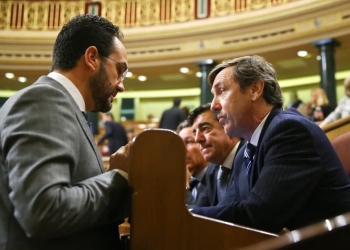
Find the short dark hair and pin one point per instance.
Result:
(250, 69)
(182, 125)
(199, 110)
(78, 34)
(177, 101)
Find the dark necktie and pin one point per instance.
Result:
(248, 156)
(222, 179)
(89, 123)
(193, 183)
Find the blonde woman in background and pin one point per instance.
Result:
(320, 107)
(343, 108)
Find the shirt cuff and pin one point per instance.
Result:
(123, 173)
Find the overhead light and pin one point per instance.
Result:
(184, 70)
(199, 74)
(129, 74)
(302, 53)
(142, 78)
(318, 58)
(22, 79)
(209, 61)
(9, 75)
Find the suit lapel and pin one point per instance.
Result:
(80, 118)
(254, 170)
(90, 137)
(213, 176)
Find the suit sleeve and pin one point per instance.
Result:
(42, 145)
(291, 172)
(203, 199)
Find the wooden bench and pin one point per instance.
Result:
(160, 218)
(329, 234)
(337, 128)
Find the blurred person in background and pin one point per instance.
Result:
(320, 107)
(172, 117)
(115, 134)
(343, 108)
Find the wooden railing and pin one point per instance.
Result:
(337, 128)
(329, 234)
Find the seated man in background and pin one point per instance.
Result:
(217, 148)
(288, 174)
(343, 108)
(196, 165)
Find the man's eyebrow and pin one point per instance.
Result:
(216, 86)
(202, 124)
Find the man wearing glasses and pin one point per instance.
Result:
(54, 193)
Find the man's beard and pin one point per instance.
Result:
(101, 90)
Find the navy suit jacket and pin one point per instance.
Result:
(297, 178)
(171, 118)
(190, 201)
(209, 196)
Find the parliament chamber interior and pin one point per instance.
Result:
(172, 45)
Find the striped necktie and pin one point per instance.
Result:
(222, 179)
(248, 156)
(89, 123)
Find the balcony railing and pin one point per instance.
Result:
(52, 15)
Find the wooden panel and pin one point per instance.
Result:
(160, 218)
(337, 128)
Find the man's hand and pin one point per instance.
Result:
(120, 159)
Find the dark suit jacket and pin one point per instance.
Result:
(53, 192)
(116, 135)
(171, 118)
(297, 178)
(200, 189)
(209, 197)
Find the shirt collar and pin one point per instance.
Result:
(70, 87)
(255, 137)
(231, 156)
(201, 174)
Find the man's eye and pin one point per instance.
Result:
(207, 129)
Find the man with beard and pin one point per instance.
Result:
(54, 193)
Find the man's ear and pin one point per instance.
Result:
(257, 90)
(91, 57)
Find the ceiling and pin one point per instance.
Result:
(286, 62)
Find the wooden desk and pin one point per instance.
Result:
(160, 218)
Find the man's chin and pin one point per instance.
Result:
(104, 108)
